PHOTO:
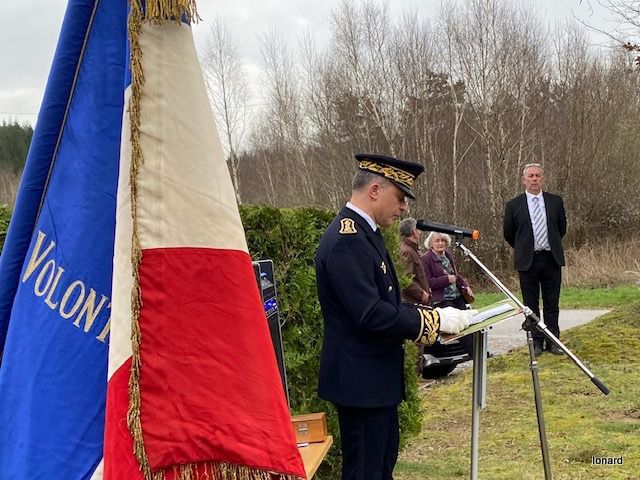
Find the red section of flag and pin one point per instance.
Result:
(119, 462)
(209, 382)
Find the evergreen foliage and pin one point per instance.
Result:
(5, 217)
(14, 145)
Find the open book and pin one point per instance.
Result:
(486, 316)
(491, 312)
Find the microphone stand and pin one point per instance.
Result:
(531, 321)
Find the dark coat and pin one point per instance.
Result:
(437, 276)
(409, 252)
(365, 325)
(518, 231)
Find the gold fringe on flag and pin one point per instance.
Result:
(137, 158)
(158, 11)
(161, 10)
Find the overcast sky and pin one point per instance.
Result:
(29, 31)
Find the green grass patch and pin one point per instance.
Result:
(484, 299)
(573, 297)
(581, 422)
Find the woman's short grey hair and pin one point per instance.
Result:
(433, 235)
(407, 226)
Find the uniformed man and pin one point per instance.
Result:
(365, 323)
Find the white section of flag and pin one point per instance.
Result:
(178, 206)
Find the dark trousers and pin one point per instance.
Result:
(545, 275)
(370, 442)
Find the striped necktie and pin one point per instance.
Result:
(539, 227)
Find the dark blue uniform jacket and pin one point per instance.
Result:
(365, 324)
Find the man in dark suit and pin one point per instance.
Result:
(534, 224)
(365, 323)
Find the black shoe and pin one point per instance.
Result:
(556, 350)
(537, 349)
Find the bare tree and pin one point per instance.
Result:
(447, 29)
(626, 18)
(473, 96)
(587, 130)
(228, 90)
(362, 35)
(495, 49)
(286, 122)
(331, 158)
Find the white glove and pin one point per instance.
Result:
(453, 320)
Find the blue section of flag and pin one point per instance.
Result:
(56, 269)
(40, 156)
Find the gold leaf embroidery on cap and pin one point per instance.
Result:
(389, 172)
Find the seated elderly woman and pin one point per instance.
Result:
(447, 286)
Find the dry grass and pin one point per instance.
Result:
(603, 265)
(9, 183)
(606, 264)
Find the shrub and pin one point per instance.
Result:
(5, 217)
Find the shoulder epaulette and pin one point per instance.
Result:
(347, 226)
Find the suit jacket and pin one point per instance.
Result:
(518, 231)
(365, 324)
(419, 285)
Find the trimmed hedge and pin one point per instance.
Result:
(290, 238)
(5, 217)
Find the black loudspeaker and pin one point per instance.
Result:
(266, 280)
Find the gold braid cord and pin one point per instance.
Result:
(158, 11)
(137, 81)
(429, 326)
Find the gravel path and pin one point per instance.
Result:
(507, 335)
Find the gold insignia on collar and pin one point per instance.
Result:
(347, 226)
(383, 267)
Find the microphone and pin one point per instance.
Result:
(450, 229)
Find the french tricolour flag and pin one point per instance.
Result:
(134, 340)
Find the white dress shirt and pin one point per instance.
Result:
(369, 220)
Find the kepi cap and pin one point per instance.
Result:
(400, 172)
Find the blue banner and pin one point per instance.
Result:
(56, 266)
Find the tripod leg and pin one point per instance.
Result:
(533, 365)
